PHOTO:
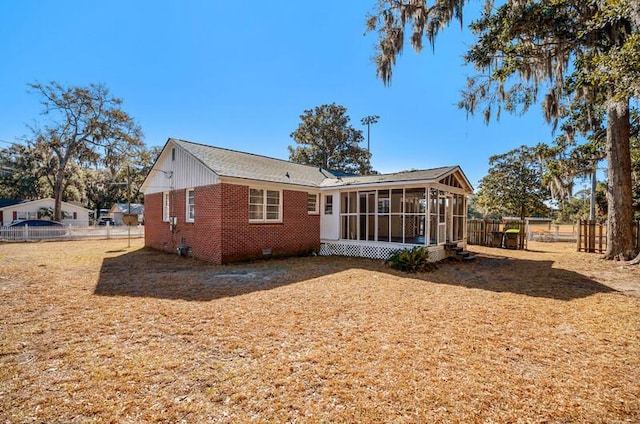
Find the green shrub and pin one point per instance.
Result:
(415, 259)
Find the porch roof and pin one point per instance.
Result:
(426, 175)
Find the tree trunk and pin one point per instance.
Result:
(620, 243)
(57, 196)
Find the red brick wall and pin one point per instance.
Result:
(222, 233)
(156, 233)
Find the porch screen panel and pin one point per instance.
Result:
(384, 207)
(415, 206)
(348, 215)
(371, 216)
(353, 203)
(362, 218)
(397, 218)
(396, 229)
(459, 214)
(366, 216)
(396, 200)
(443, 210)
(344, 202)
(433, 216)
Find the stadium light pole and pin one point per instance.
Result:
(368, 121)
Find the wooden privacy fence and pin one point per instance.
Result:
(592, 236)
(494, 233)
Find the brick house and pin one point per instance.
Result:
(222, 206)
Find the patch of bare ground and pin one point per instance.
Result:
(91, 331)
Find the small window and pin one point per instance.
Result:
(328, 204)
(191, 206)
(312, 203)
(165, 207)
(264, 205)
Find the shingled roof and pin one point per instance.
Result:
(403, 177)
(236, 164)
(5, 202)
(232, 163)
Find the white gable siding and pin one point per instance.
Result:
(176, 169)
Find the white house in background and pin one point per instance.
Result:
(119, 210)
(17, 209)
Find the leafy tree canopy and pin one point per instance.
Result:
(26, 176)
(22, 175)
(81, 127)
(513, 185)
(325, 139)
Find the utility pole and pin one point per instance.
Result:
(128, 206)
(592, 203)
(368, 120)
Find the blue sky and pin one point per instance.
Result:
(238, 74)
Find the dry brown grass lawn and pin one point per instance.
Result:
(91, 331)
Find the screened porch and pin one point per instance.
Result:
(427, 216)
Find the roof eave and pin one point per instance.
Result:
(244, 181)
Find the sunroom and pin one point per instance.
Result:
(374, 215)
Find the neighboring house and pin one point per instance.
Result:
(119, 210)
(225, 206)
(16, 209)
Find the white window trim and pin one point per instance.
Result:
(188, 218)
(166, 206)
(316, 211)
(264, 220)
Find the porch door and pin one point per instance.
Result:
(367, 215)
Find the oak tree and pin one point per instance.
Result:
(82, 126)
(325, 139)
(513, 185)
(525, 51)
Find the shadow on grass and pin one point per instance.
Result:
(534, 278)
(149, 273)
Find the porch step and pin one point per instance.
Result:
(458, 252)
(468, 256)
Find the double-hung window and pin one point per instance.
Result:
(191, 206)
(312, 204)
(27, 215)
(265, 205)
(165, 207)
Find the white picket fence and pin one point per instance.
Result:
(26, 233)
